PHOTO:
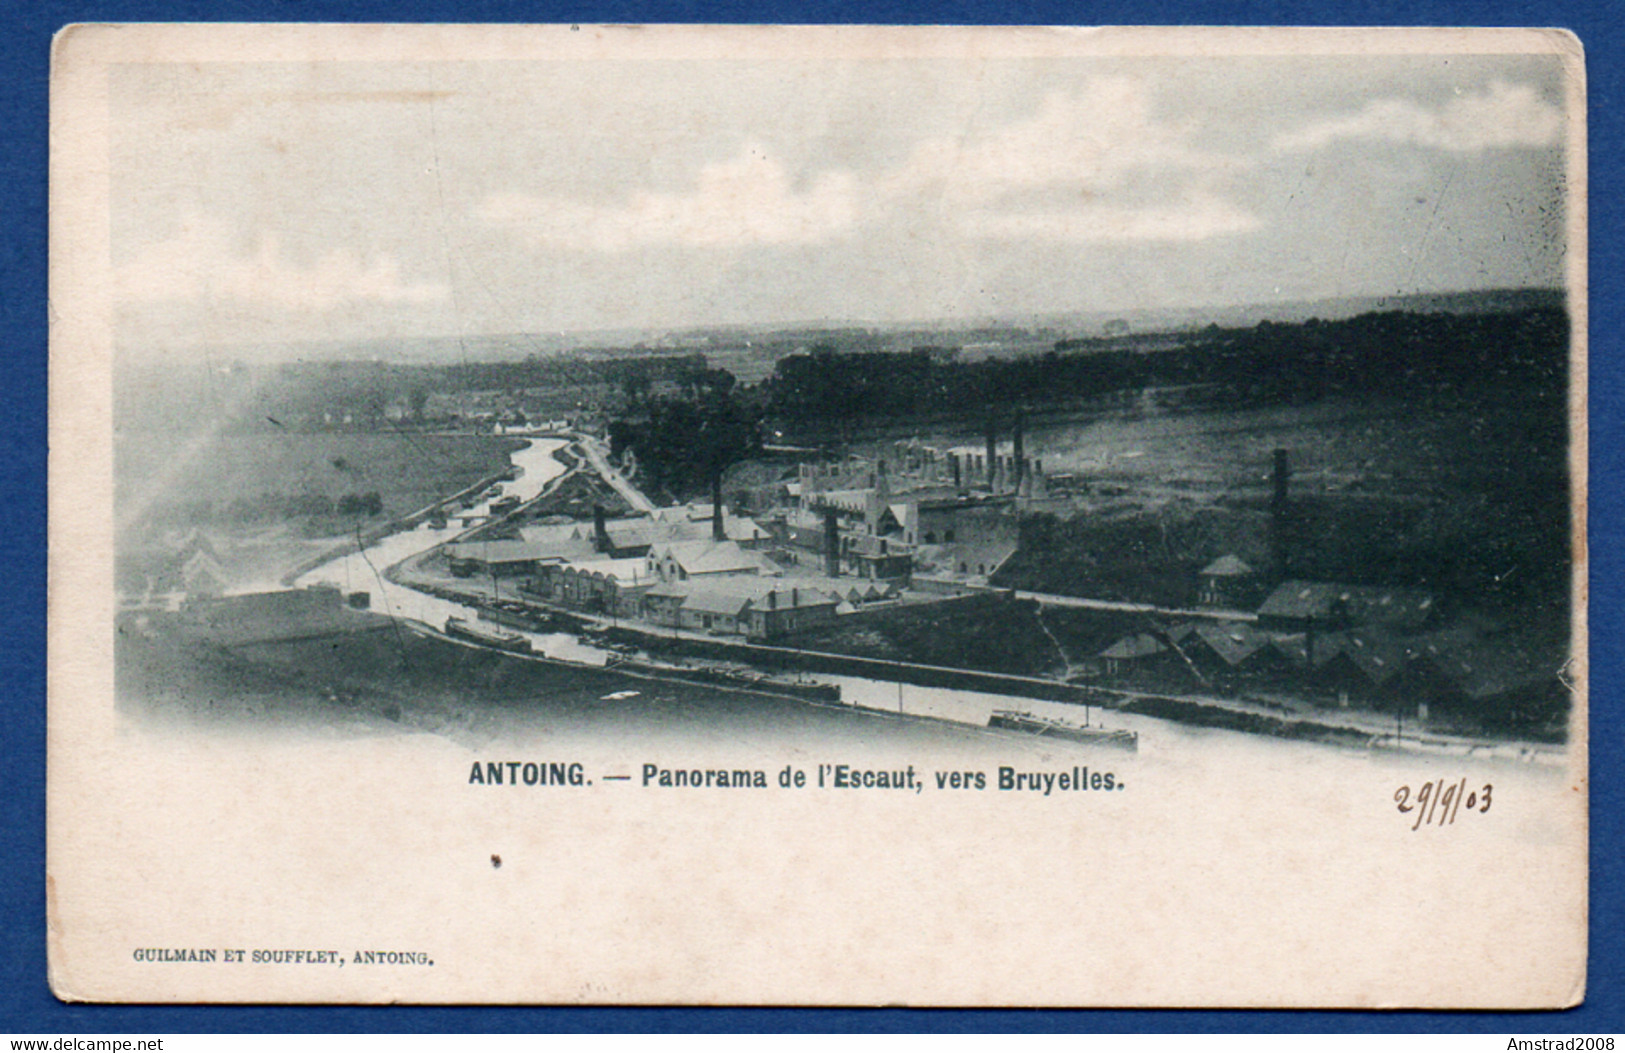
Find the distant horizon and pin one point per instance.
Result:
(1165, 319)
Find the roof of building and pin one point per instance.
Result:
(1138, 645)
(732, 596)
(1306, 600)
(712, 557)
(849, 500)
(793, 598)
(1228, 566)
(501, 551)
(1485, 668)
(716, 601)
(1233, 642)
(1375, 654)
(1294, 646)
(857, 590)
(549, 533)
(202, 564)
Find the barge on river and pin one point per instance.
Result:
(485, 637)
(1032, 724)
(725, 676)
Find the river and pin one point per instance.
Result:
(364, 571)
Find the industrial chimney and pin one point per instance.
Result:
(832, 544)
(1279, 512)
(600, 532)
(1018, 456)
(718, 533)
(992, 455)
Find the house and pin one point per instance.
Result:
(1357, 664)
(1221, 650)
(714, 610)
(661, 604)
(1494, 676)
(781, 611)
(1135, 653)
(1228, 581)
(761, 608)
(202, 576)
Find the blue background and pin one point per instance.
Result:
(26, 1003)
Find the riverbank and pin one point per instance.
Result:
(1335, 728)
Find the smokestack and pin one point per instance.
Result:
(832, 544)
(600, 532)
(1017, 455)
(953, 463)
(717, 531)
(1279, 514)
(992, 436)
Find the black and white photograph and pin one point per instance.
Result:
(767, 515)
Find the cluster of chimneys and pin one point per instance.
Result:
(906, 460)
(1000, 473)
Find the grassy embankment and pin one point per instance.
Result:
(269, 500)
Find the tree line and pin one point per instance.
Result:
(1394, 352)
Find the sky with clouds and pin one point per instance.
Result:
(286, 201)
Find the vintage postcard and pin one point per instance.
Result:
(763, 515)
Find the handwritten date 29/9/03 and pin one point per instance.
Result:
(1438, 803)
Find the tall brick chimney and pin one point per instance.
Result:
(718, 533)
(1018, 457)
(1280, 514)
(832, 544)
(600, 532)
(992, 437)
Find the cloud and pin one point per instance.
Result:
(748, 200)
(983, 184)
(1197, 216)
(1503, 117)
(199, 264)
(1094, 139)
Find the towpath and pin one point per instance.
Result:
(594, 452)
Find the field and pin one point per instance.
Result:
(269, 499)
(235, 475)
(1466, 497)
